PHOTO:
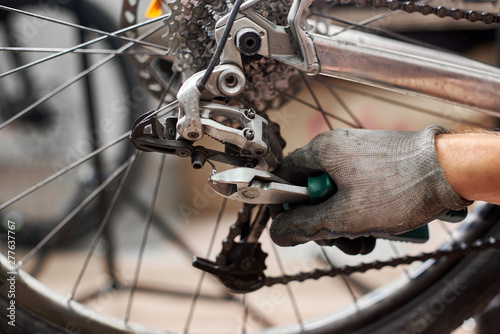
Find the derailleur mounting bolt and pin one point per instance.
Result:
(248, 41)
(249, 134)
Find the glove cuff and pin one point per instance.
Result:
(445, 193)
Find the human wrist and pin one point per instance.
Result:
(470, 164)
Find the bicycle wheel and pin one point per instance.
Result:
(414, 299)
(64, 128)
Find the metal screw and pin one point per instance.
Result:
(250, 113)
(183, 153)
(193, 135)
(249, 134)
(258, 152)
(231, 81)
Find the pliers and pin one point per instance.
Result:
(259, 187)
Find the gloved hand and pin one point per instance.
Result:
(389, 182)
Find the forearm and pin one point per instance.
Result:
(471, 164)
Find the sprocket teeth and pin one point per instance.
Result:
(190, 38)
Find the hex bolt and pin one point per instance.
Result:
(183, 153)
(249, 134)
(248, 41)
(250, 113)
(231, 81)
(258, 152)
(193, 135)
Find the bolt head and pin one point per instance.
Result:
(183, 153)
(258, 152)
(249, 134)
(193, 135)
(250, 113)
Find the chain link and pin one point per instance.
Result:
(425, 9)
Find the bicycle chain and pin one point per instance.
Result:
(425, 9)
(456, 250)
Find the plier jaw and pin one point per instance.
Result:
(253, 186)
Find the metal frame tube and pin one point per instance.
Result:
(407, 68)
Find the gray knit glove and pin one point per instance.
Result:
(389, 182)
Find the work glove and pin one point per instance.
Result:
(388, 182)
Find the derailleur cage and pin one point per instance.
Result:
(150, 135)
(249, 140)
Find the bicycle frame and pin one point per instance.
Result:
(411, 69)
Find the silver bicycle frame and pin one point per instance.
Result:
(408, 68)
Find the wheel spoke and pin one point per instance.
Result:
(377, 31)
(149, 289)
(413, 107)
(445, 228)
(85, 51)
(103, 223)
(104, 34)
(64, 171)
(344, 106)
(75, 211)
(344, 279)
(147, 226)
(69, 82)
(307, 104)
(197, 292)
(245, 315)
(373, 19)
(289, 291)
(316, 101)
